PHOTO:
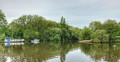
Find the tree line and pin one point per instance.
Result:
(35, 26)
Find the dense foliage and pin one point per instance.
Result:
(109, 31)
(34, 26)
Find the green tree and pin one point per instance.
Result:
(3, 22)
(95, 25)
(54, 34)
(100, 36)
(111, 26)
(119, 29)
(65, 29)
(86, 34)
(76, 32)
(3, 25)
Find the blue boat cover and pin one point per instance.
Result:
(8, 42)
(32, 39)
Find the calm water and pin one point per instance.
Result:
(56, 52)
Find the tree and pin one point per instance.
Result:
(63, 22)
(76, 32)
(86, 33)
(95, 25)
(3, 25)
(63, 28)
(54, 34)
(3, 22)
(111, 26)
(100, 36)
(119, 29)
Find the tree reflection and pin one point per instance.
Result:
(3, 57)
(37, 53)
(44, 51)
(99, 52)
(64, 50)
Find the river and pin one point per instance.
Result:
(57, 52)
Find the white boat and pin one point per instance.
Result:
(9, 42)
(35, 41)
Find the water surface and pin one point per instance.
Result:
(57, 52)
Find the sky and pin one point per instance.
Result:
(78, 13)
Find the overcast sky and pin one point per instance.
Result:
(78, 13)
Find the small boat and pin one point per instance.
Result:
(35, 41)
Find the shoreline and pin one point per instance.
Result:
(90, 42)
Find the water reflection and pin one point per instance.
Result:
(102, 52)
(57, 52)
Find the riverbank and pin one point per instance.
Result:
(86, 41)
(90, 41)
